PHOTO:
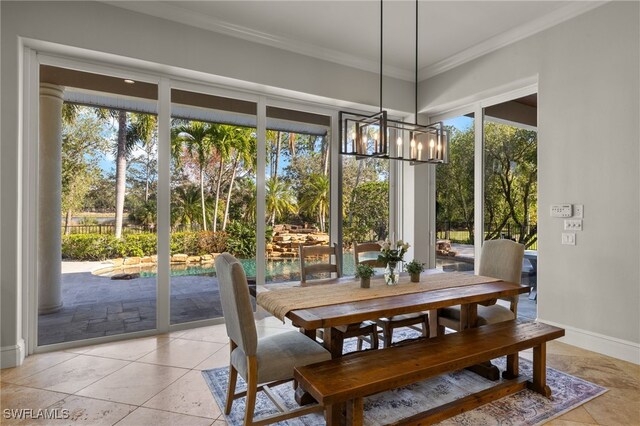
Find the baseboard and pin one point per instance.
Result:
(12, 356)
(606, 345)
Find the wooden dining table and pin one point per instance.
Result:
(323, 310)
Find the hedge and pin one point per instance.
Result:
(104, 246)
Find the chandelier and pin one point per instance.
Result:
(377, 136)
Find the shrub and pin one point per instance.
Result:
(184, 242)
(241, 240)
(90, 246)
(211, 242)
(139, 245)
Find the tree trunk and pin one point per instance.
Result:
(67, 223)
(204, 210)
(215, 209)
(233, 177)
(274, 172)
(121, 170)
(325, 143)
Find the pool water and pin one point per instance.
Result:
(276, 271)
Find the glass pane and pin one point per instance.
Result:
(297, 188)
(511, 183)
(107, 206)
(365, 205)
(455, 199)
(213, 196)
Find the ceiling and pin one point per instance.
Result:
(348, 32)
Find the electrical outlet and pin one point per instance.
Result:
(569, 238)
(573, 224)
(578, 210)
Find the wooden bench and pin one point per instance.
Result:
(349, 379)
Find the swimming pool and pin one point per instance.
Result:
(276, 270)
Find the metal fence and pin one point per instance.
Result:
(458, 233)
(109, 228)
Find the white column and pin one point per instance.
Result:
(50, 192)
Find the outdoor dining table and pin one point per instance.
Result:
(341, 301)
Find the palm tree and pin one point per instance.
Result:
(185, 208)
(199, 140)
(244, 147)
(280, 200)
(140, 131)
(222, 136)
(315, 198)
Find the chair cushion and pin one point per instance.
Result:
(277, 355)
(486, 314)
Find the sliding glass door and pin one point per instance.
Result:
(455, 208)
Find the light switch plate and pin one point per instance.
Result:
(561, 210)
(573, 224)
(569, 238)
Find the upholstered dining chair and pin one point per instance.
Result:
(340, 333)
(263, 362)
(500, 259)
(367, 253)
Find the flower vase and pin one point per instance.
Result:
(391, 273)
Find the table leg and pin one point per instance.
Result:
(469, 319)
(513, 367)
(539, 383)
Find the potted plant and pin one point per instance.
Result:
(414, 268)
(364, 272)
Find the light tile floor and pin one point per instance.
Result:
(156, 381)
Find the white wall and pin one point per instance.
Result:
(103, 28)
(588, 152)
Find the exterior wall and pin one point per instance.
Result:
(588, 152)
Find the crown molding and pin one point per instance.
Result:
(174, 13)
(514, 35)
(187, 17)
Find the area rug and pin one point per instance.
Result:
(522, 408)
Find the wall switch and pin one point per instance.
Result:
(569, 238)
(561, 210)
(573, 224)
(578, 210)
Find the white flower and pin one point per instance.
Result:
(386, 245)
(406, 246)
(399, 243)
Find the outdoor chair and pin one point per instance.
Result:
(500, 259)
(341, 333)
(263, 362)
(367, 253)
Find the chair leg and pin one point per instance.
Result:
(387, 333)
(252, 389)
(374, 338)
(425, 326)
(359, 344)
(231, 389)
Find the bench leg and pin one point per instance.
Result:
(355, 412)
(513, 367)
(333, 414)
(539, 383)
